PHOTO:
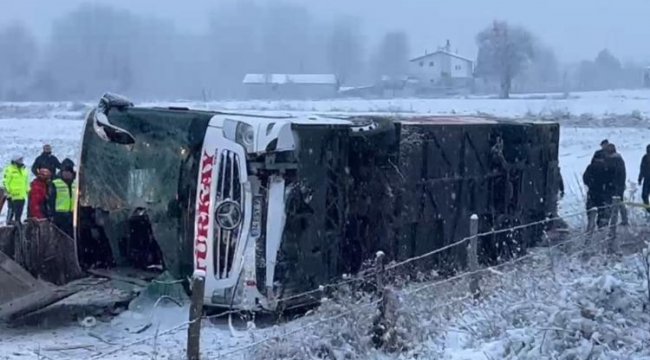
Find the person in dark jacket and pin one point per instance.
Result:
(64, 195)
(644, 177)
(67, 163)
(601, 151)
(41, 196)
(599, 179)
(46, 160)
(615, 162)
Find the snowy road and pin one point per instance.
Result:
(25, 135)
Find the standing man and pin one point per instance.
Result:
(598, 179)
(64, 203)
(16, 183)
(644, 177)
(602, 150)
(46, 160)
(615, 162)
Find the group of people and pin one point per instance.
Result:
(50, 195)
(605, 179)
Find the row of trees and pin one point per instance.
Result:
(511, 55)
(98, 47)
(607, 72)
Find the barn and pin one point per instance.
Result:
(291, 86)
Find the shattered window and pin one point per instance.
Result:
(141, 183)
(157, 173)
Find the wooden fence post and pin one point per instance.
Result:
(613, 223)
(551, 252)
(383, 334)
(380, 268)
(196, 312)
(379, 328)
(472, 257)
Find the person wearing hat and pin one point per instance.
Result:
(615, 162)
(46, 160)
(65, 188)
(41, 196)
(16, 183)
(599, 180)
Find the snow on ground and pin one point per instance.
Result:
(570, 302)
(594, 104)
(585, 107)
(531, 311)
(577, 146)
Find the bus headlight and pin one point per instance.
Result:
(245, 136)
(241, 133)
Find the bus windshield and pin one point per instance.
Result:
(156, 176)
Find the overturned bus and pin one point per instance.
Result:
(272, 206)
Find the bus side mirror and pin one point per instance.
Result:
(109, 132)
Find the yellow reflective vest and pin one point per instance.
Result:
(64, 196)
(16, 182)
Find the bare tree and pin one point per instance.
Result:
(287, 35)
(19, 51)
(97, 48)
(605, 72)
(234, 43)
(275, 37)
(503, 53)
(543, 72)
(391, 58)
(345, 50)
(609, 70)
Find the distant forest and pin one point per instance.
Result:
(98, 48)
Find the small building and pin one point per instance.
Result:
(442, 69)
(291, 86)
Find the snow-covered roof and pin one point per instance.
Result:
(309, 79)
(443, 52)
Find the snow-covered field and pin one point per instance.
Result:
(570, 308)
(632, 106)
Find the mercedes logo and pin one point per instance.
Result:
(228, 215)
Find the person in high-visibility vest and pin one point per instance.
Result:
(64, 186)
(16, 184)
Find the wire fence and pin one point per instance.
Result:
(452, 279)
(584, 237)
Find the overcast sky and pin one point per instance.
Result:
(576, 29)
